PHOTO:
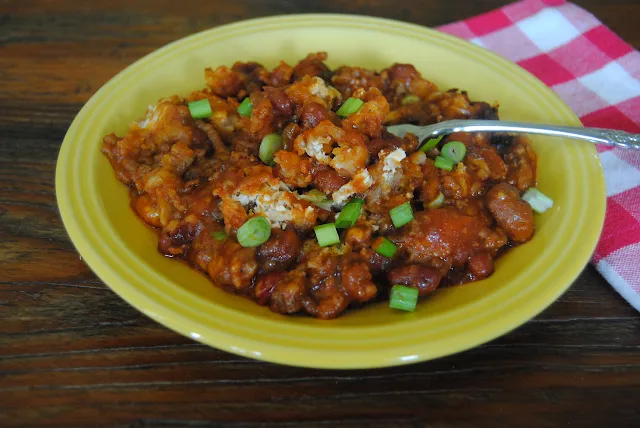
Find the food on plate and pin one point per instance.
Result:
(284, 186)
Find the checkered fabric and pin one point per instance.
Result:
(598, 76)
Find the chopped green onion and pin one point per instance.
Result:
(350, 106)
(403, 298)
(220, 235)
(410, 99)
(317, 198)
(386, 248)
(401, 215)
(254, 232)
(432, 143)
(314, 195)
(245, 107)
(539, 201)
(454, 151)
(349, 214)
(327, 234)
(444, 163)
(324, 204)
(437, 202)
(200, 109)
(268, 146)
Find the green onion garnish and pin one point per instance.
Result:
(325, 204)
(410, 99)
(254, 232)
(403, 298)
(539, 201)
(349, 214)
(220, 235)
(317, 198)
(270, 144)
(454, 151)
(444, 163)
(327, 234)
(200, 109)
(437, 202)
(401, 215)
(245, 107)
(314, 195)
(386, 248)
(350, 106)
(432, 143)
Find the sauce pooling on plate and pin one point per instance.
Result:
(284, 186)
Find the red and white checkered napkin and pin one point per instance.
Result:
(598, 76)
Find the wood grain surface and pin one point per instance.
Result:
(73, 354)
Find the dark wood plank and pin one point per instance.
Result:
(73, 354)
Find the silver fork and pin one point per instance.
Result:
(608, 137)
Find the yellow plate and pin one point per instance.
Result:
(122, 251)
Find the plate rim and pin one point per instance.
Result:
(271, 352)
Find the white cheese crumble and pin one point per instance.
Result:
(319, 88)
(150, 118)
(272, 200)
(314, 147)
(276, 208)
(279, 212)
(244, 199)
(391, 163)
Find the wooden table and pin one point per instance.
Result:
(73, 354)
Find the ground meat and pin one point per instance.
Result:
(395, 178)
(377, 263)
(321, 264)
(263, 117)
(312, 65)
(457, 184)
(512, 214)
(349, 79)
(485, 164)
(233, 266)
(430, 187)
(358, 236)
(223, 81)
(265, 284)
(147, 210)
(281, 75)
(292, 169)
(482, 110)
(327, 301)
(401, 76)
(176, 238)
(356, 280)
(521, 163)
(368, 120)
(253, 74)
(312, 90)
(339, 281)
(287, 296)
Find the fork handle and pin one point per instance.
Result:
(608, 137)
